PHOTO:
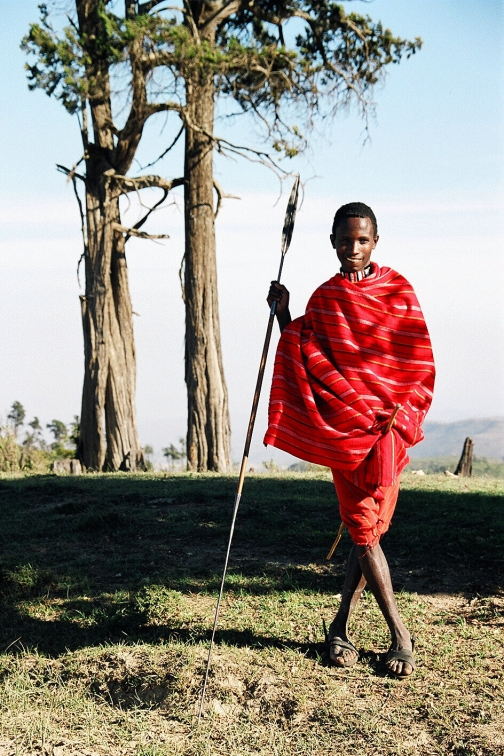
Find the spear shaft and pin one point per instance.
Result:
(290, 217)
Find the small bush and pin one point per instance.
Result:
(17, 458)
(28, 457)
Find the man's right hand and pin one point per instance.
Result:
(279, 294)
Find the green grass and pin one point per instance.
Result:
(108, 586)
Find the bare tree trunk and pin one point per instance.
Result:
(464, 467)
(108, 435)
(209, 428)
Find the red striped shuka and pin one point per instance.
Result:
(341, 369)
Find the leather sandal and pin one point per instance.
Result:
(403, 655)
(334, 643)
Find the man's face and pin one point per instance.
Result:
(354, 241)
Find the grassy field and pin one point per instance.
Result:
(108, 588)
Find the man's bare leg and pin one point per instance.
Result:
(352, 590)
(375, 569)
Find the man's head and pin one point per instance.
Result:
(354, 236)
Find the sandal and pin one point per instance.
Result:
(335, 642)
(401, 655)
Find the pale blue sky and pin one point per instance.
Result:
(432, 171)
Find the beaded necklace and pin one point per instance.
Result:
(357, 275)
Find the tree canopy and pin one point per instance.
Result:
(265, 55)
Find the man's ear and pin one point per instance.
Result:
(376, 240)
(332, 237)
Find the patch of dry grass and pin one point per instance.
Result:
(105, 634)
(142, 699)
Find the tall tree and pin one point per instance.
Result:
(237, 49)
(278, 60)
(77, 67)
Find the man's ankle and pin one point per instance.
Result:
(336, 629)
(401, 636)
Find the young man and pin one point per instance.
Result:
(352, 384)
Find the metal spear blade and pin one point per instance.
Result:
(290, 216)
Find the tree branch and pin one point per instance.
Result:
(191, 22)
(161, 107)
(128, 184)
(70, 172)
(130, 8)
(220, 196)
(181, 277)
(149, 165)
(223, 145)
(176, 8)
(150, 210)
(144, 8)
(139, 234)
(83, 125)
(85, 252)
(141, 111)
(222, 13)
(129, 136)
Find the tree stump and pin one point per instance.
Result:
(464, 467)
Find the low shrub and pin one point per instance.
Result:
(15, 457)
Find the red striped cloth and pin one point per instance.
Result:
(340, 370)
(365, 517)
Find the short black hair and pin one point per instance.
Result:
(354, 210)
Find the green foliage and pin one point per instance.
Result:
(17, 458)
(270, 466)
(60, 66)
(35, 438)
(62, 61)
(9, 451)
(26, 580)
(334, 57)
(61, 447)
(74, 431)
(59, 431)
(174, 453)
(482, 467)
(35, 424)
(33, 453)
(148, 451)
(17, 416)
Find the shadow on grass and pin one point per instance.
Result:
(91, 545)
(56, 638)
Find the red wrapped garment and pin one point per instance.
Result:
(366, 517)
(361, 349)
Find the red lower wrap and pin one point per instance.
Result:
(365, 517)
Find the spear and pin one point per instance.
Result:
(290, 217)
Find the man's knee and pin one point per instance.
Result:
(364, 550)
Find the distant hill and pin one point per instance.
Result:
(448, 438)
